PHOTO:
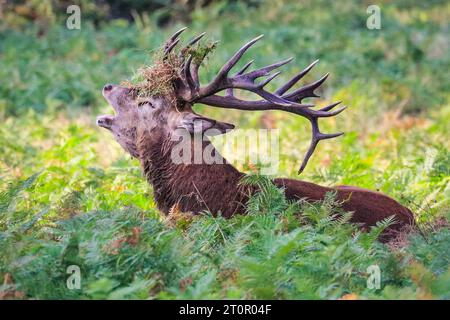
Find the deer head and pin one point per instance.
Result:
(160, 114)
(157, 116)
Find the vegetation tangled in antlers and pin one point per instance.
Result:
(176, 76)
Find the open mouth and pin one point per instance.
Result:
(105, 121)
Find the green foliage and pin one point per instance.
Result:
(200, 51)
(270, 200)
(276, 254)
(69, 195)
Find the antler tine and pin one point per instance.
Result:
(190, 67)
(265, 70)
(316, 136)
(295, 79)
(306, 91)
(331, 106)
(170, 47)
(191, 43)
(270, 78)
(172, 42)
(313, 144)
(332, 113)
(187, 74)
(194, 74)
(215, 84)
(246, 81)
(196, 39)
(235, 58)
(195, 65)
(176, 34)
(244, 68)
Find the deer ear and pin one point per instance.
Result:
(198, 124)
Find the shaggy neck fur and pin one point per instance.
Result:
(190, 187)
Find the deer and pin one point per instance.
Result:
(148, 127)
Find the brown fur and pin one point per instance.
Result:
(368, 206)
(193, 187)
(215, 187)
(145, 131)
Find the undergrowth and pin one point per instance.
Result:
(70, 197)
(292, 250)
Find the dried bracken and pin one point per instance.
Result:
(156, 79)
(177, 218)
(159, 79)
(131, 239)
(9, 291)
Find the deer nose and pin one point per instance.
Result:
(105, 121)
(108, 87)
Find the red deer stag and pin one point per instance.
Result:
(145, 126)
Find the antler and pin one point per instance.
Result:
(281, 99)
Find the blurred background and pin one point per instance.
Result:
(395, 81)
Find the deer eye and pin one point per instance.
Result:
(143, 103)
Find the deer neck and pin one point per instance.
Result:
(192, 186)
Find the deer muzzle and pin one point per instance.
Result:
(105, 121)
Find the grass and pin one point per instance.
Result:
(69, 195)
